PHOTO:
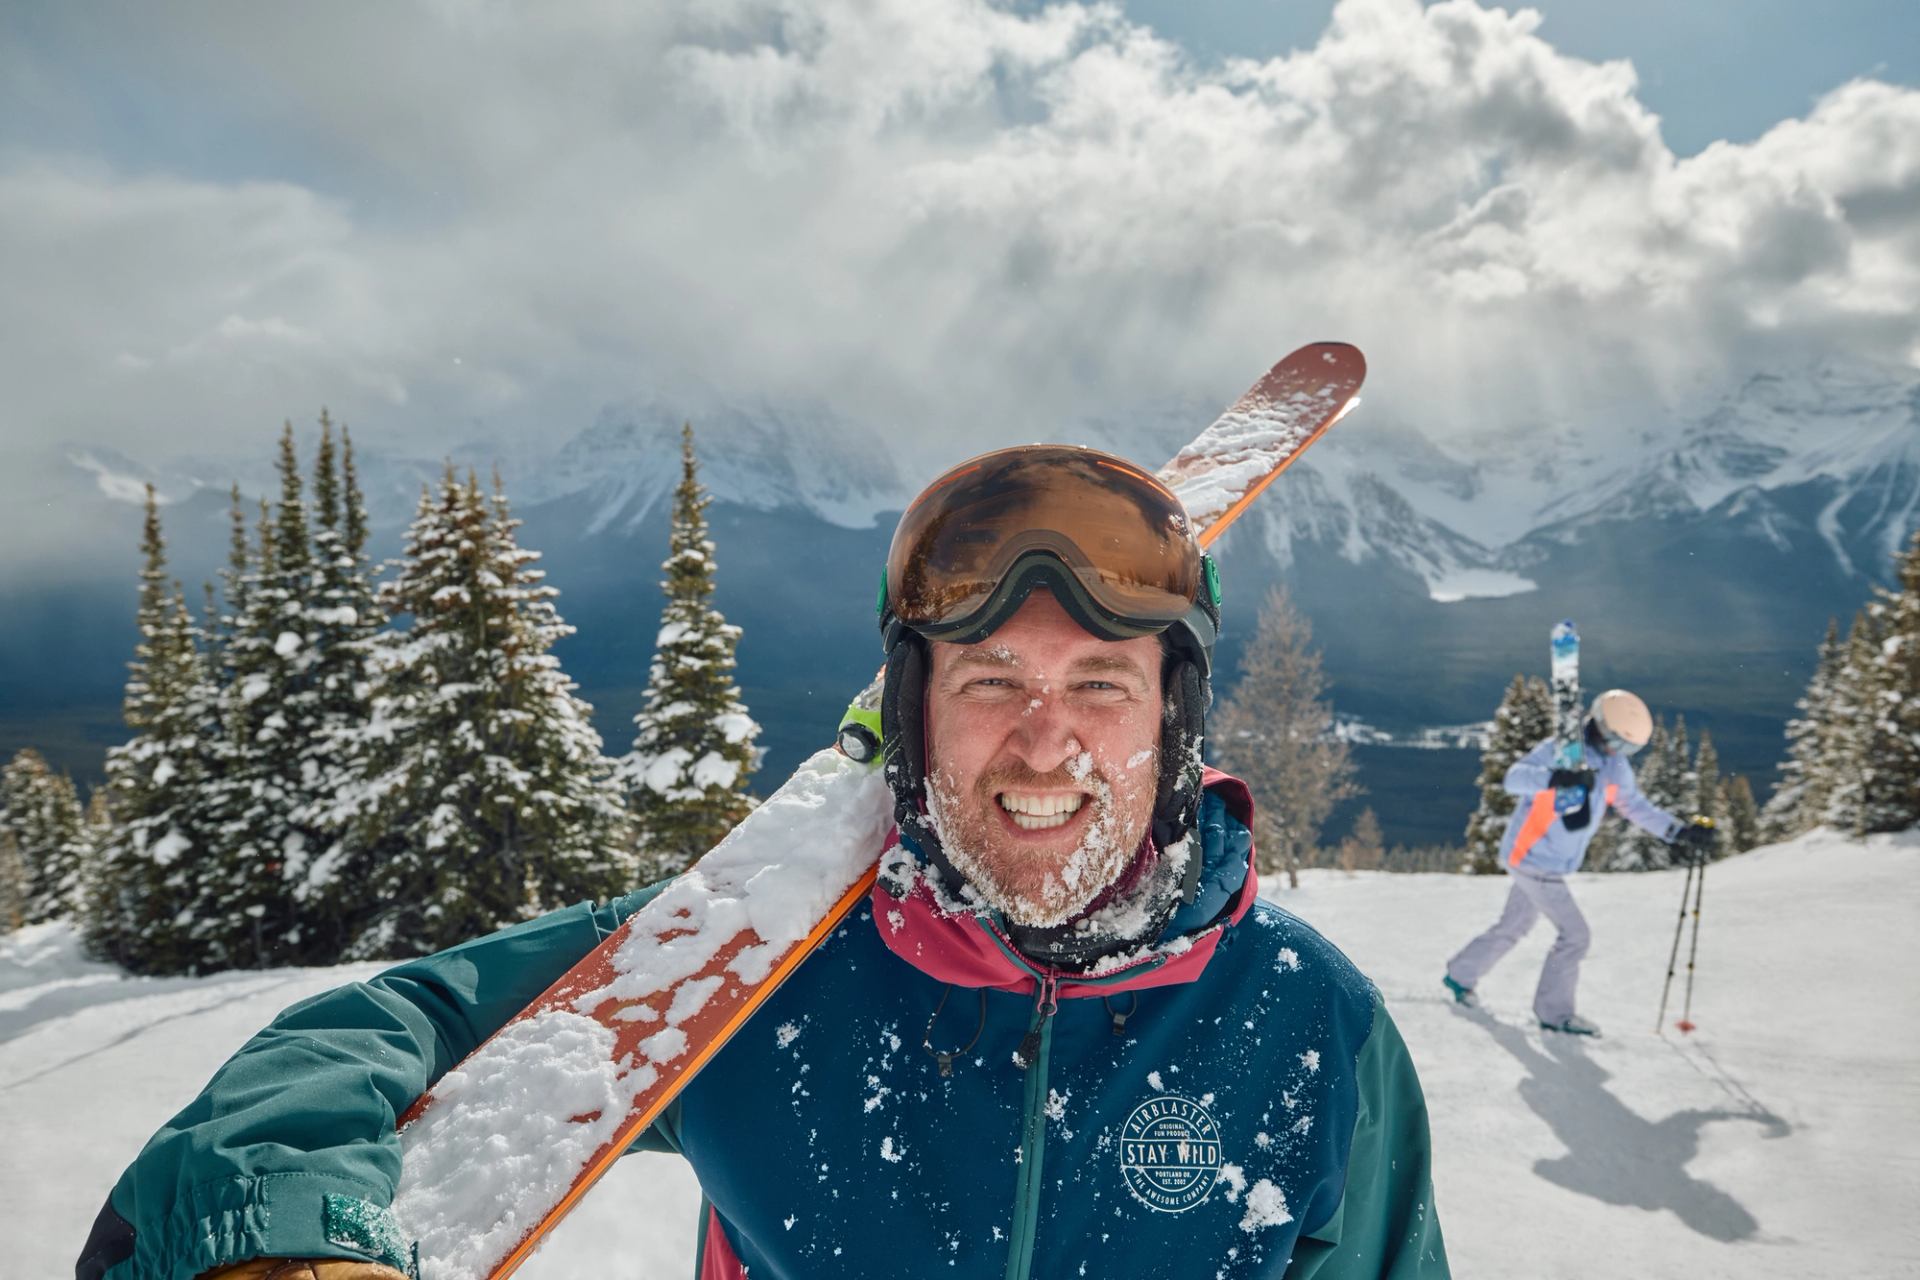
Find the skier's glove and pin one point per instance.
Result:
(1693, 843)
(1564, 779)
(304, 1269)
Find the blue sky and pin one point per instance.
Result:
(948, 220)
(1712, 69)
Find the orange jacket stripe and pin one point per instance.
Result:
(1539, 817)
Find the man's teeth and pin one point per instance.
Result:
(1038, 813)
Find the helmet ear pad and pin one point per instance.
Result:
(903, 730)
(1183, 726)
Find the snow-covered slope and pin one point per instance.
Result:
(1777, 1140)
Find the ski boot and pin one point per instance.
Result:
(1574, 1025)
(1461, 995)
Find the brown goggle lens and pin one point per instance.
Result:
(1121, 533)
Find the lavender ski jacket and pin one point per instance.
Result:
(1233, 1100)
(1539, 841)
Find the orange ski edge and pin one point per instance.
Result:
(641, 1119)
(1209, 535)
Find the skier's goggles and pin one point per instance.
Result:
(1618, 745)
(1614, 744)
(1112, 543)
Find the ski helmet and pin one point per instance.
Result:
(1115, 547)
(1621, 721)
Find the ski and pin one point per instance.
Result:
(1569, 752)
(498, 1151)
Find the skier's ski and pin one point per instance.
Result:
(1569, 749)
(1569, 752)
(507, 1142)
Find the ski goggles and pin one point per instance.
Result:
(1614, 744)
(1111, 542)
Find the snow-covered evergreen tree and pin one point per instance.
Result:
(1743, 816)
(693, 740)
(1709, 794)
(41, 811)
(478, 792)
(342, 619)
(1890, 774)
(1849, 724)
(1523, 721)
(13, 883)
(1806, 779)
(342, 614)
(271, 711)
(140, 913)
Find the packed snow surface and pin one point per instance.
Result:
(1775, 1141)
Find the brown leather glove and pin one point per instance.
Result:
(304, 1269)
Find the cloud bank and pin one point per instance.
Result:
(957, 220)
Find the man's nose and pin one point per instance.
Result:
(1044, 739)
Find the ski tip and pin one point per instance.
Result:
(1684, 1025)
(1344, 357)
(1332, 363)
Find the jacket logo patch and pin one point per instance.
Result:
(1170, 1154)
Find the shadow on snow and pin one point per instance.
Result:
(1615, 1155)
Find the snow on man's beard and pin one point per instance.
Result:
(1034, 887)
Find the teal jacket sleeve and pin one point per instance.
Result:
(290, 1150)
(1385, 1227)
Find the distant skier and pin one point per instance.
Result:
(1540, 847)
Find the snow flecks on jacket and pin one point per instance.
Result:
(1266, 1207)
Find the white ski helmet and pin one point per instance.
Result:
(1622, 721)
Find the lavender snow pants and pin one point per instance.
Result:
(1531, 897)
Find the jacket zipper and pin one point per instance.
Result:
(1032, 1057)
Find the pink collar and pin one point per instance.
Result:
(969, 950)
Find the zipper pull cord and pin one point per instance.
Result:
(945, 1057)
(1029, 1051)
(1120, 1019)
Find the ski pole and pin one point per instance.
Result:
(1693, 948)
(1673, 957)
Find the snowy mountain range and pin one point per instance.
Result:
(1701, 550)
(1473, 518)
(1469, 516)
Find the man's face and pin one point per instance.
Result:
(1043, 753)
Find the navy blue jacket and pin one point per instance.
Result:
(1233, 1101)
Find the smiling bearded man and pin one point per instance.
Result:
(1046, 738)
(1049, 623)
(1063, 1037)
